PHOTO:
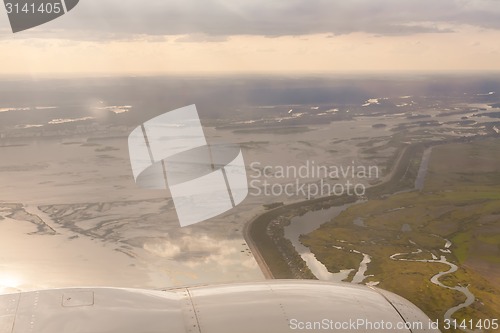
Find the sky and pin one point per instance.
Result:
(117, 37)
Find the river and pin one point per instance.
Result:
(307, 223)
(422, 171)
(470, 298)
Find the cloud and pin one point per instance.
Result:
(200, 38)
(120, 18)
(196, 250)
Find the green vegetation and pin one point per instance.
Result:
(273, 205)
(274, 130)
(460, 202)
(403, 173)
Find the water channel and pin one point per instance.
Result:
(307, 223)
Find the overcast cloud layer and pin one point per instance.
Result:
(105, 18)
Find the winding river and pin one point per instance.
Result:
(435, 279)
(305, 224)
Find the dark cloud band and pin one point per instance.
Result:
(273, 18)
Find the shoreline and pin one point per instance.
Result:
(255, 231)
(270, 249)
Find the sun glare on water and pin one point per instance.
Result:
(8, 282)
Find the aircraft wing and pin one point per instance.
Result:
(264, 307)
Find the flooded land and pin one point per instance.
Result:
(358, 181)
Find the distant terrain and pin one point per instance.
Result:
(67, 190)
